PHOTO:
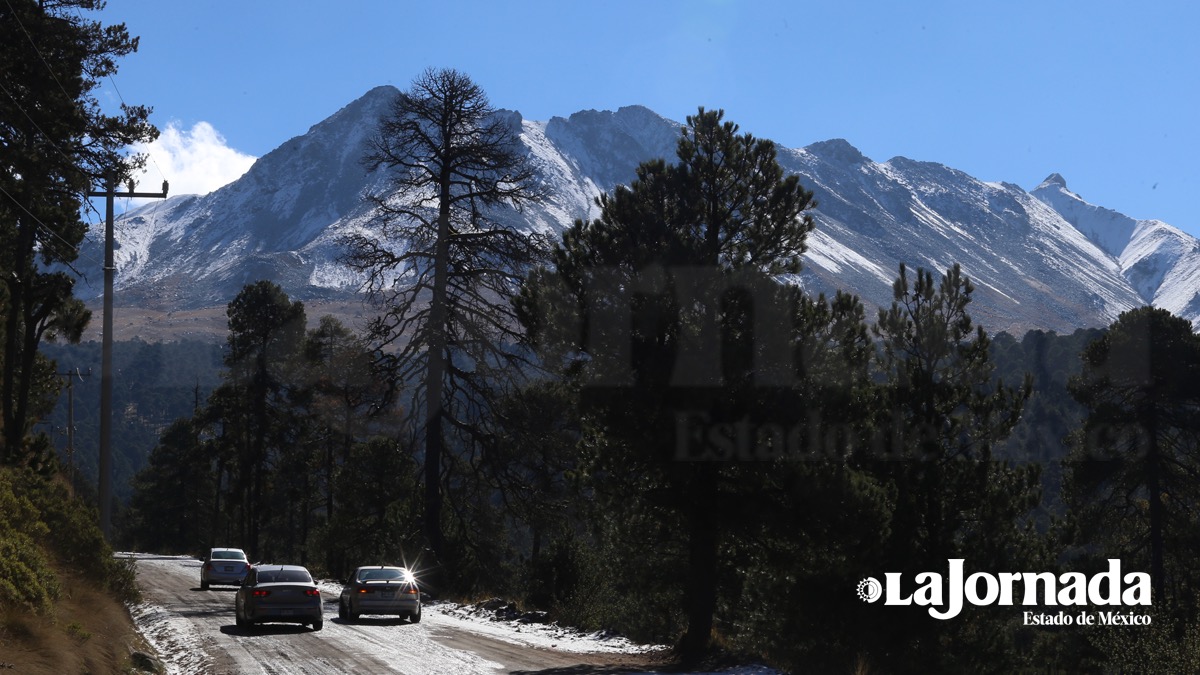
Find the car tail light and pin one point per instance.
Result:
(311, 591)
(410, 590)
(364, 590)
(208, 566)
(261, 594)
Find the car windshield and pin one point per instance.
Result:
(382, 575)
(228, 555)
(283, 576)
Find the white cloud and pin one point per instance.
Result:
(195, 161)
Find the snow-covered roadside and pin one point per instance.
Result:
(545, 635)
(484, 619)
(174, 638)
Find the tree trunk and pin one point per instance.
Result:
(701, 600)
(434, 376)
(1154, 495)
(17, 286)
(215, 524)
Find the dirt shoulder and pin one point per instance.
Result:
(87, 632)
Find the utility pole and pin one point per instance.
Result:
(110, 194)
(71, 421)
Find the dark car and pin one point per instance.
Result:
(224, 566)
(279, 593)
(380, 590)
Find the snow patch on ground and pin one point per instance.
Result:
(493, 623)
(833, 255)
(174, 638)
(525, 630)
(486, 619)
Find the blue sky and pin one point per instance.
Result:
(1105, 93)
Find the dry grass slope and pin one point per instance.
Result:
(86, 632)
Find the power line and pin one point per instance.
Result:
(48, 137)
(37, 51)
(50, 230)
(112, 80)
(56, 146)
(32, 121)
(63, 89)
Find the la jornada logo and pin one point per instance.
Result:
(1045, 589)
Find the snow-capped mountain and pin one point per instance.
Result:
(1041, 259)
(1160, 262)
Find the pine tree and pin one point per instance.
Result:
(665, 309)
(442, 262)
(941, 414)
(1131, 474)
(266, 333)
(173, 493)
(55, 144)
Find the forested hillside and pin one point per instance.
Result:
(154, 384)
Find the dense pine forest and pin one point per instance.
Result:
(532, 531)
(156, 384)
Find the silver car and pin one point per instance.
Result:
(224, 566)
(380, 590)
(280, 593)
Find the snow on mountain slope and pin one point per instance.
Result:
(1163, 263)
(1110, 230)
(197, 251)
(1160, 262)
(1044, 259)
(1030, 267)
(606, 146)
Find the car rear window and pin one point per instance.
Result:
(380, 575)
(284, 576)
(228, 555)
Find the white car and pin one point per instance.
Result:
(226, 566)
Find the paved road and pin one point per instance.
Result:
(194, 631)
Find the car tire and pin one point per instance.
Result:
(203, 585)
(415, 618)
(342, 613)
(241, 622)
(318, 624)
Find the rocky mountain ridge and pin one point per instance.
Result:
(1044, 258)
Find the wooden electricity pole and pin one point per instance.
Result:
(110, 194)
(71, 375)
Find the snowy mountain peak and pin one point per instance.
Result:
(1109, 230)
(607, 146)
(1054, 179)
(838, 151)
(1163, 264)
(1160, 262)
(368, 106)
